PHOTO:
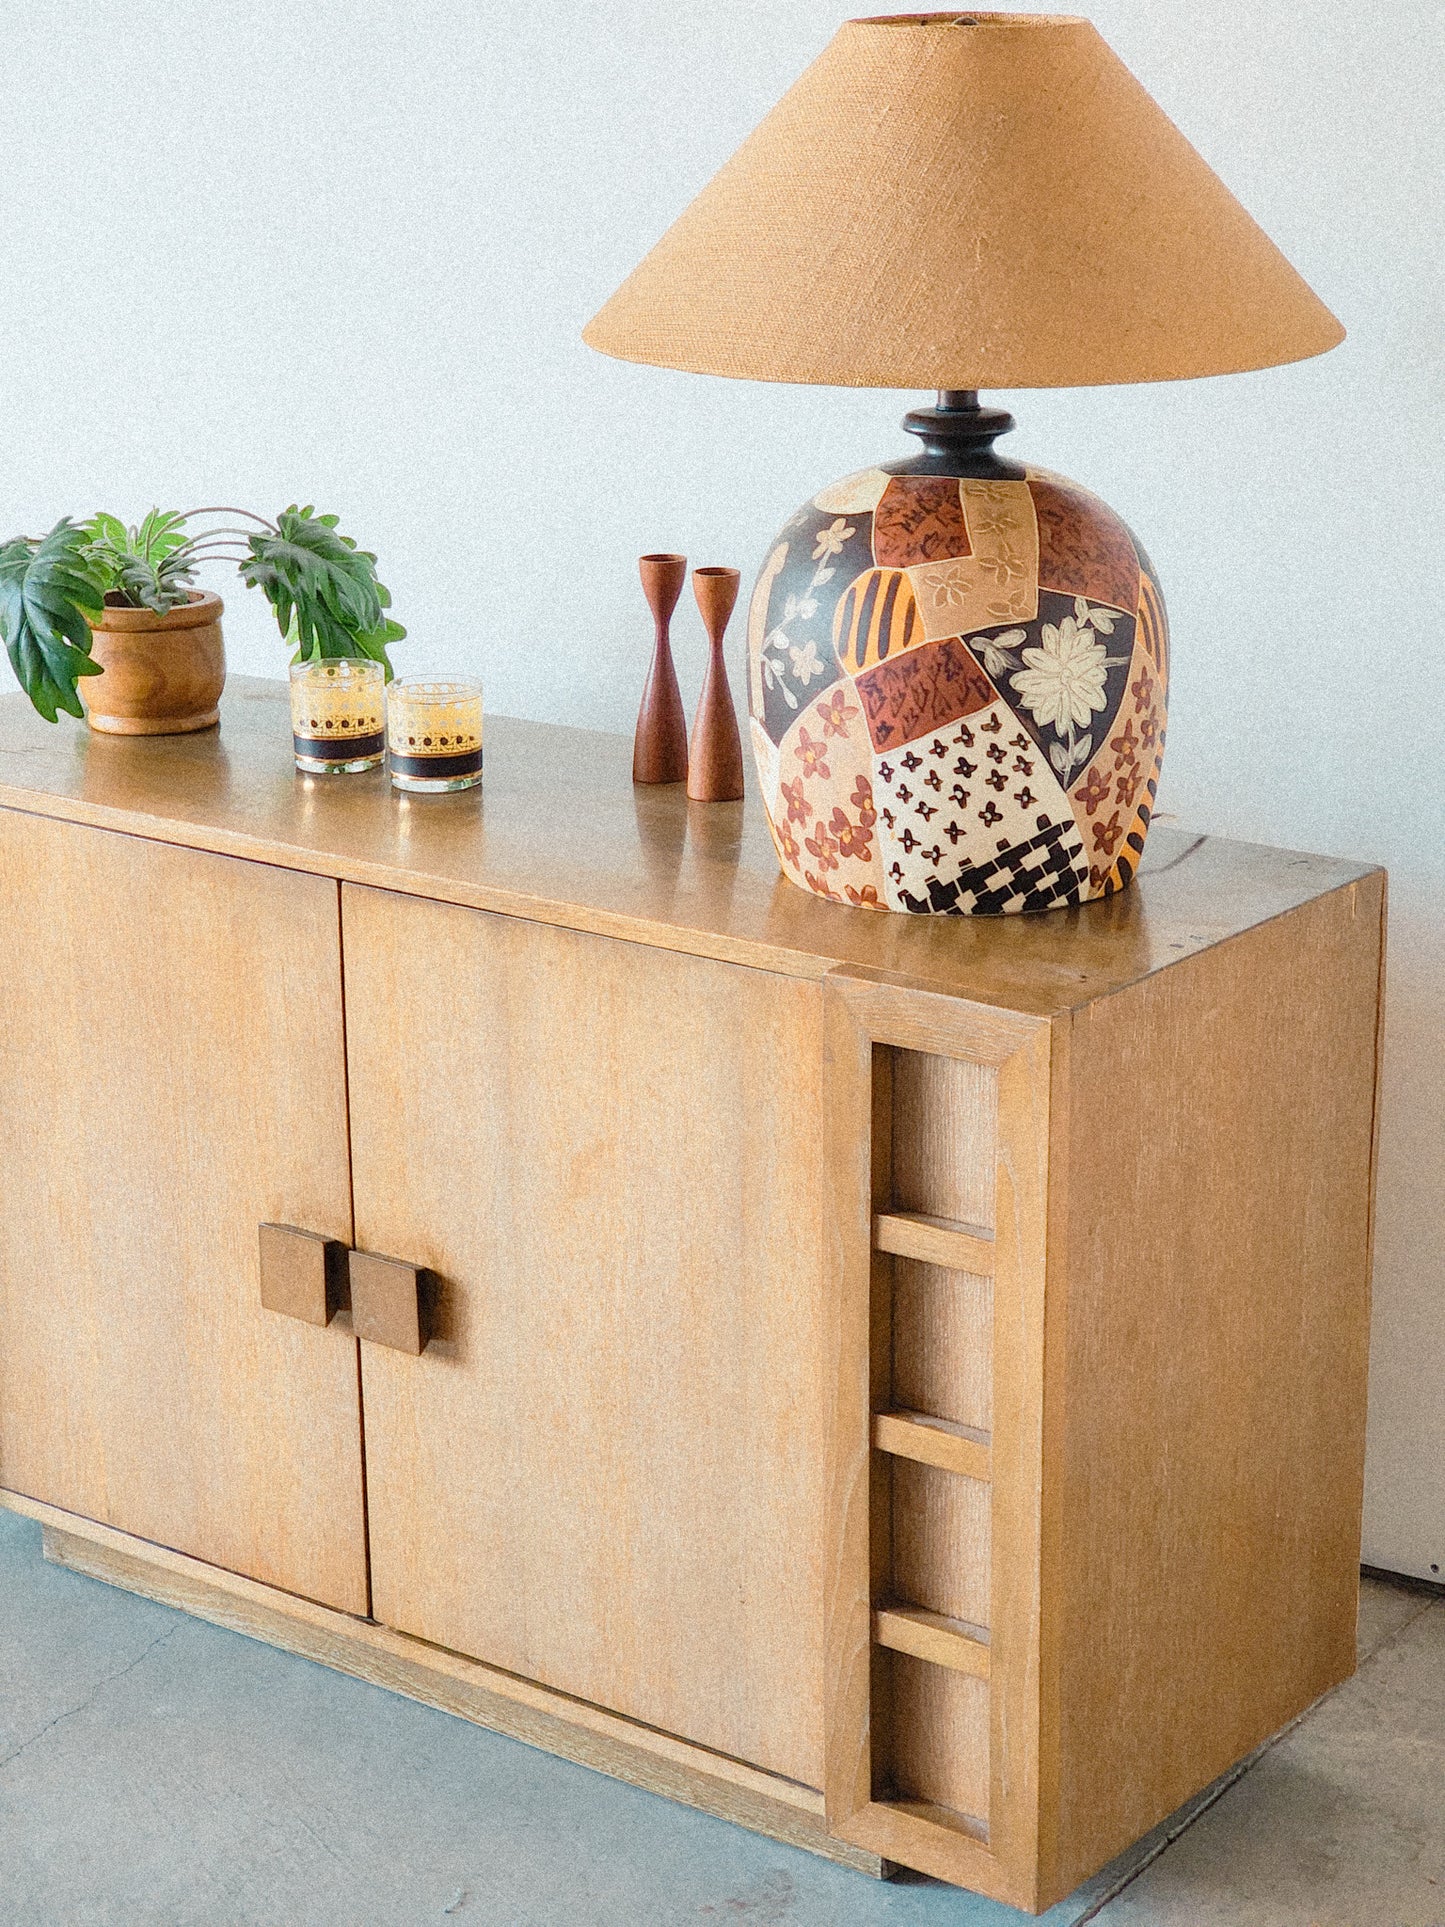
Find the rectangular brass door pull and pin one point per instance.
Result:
(387, 1302)
(303, 1274)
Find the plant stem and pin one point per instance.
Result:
(191, 514)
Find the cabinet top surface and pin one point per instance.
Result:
(559, 834)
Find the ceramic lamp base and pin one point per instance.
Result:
(958, 673)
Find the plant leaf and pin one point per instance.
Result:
(317, 580)
(47, 589)
(149, 567)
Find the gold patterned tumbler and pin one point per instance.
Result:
(337, 705)
(434, 734)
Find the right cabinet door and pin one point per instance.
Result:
(605, 1471)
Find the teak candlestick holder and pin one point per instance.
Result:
(659, 752)
(715, 767)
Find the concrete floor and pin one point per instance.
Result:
(158, 1772)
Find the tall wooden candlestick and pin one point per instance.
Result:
(659, 751)
(715, 770)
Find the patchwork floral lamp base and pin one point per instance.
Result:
(958, 672)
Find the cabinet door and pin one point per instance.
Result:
(172, 1075)
(604, 1472)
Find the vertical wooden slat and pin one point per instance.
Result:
(1021, 1240)
(848, 1104)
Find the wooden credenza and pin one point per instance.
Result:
(897, 1383)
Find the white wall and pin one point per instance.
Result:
(341, 251)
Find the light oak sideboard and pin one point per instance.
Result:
(896, 1383)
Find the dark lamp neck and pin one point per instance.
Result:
(958, 436)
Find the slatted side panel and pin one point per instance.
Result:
(933, 1404)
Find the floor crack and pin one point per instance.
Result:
(91, 1697)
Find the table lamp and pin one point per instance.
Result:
(958, 665)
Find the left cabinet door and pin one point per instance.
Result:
(172, 1075)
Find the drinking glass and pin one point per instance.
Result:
(337, 709)
(434, 734)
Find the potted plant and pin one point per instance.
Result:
(98, 599)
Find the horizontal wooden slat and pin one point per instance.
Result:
(937, 1241)
(932, 1636)
(934, 1441)
(936, 1840)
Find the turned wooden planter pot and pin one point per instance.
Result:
(163, 673)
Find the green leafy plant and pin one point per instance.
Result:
(47, 589)
(152, 566)
(324, 590)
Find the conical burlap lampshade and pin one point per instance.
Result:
(958, 665)
(965, 201)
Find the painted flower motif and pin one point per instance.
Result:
(1125, 745)
(862, 801)
(830, 540)
(1004, 566)
(819, 888)
(853, 838)
(1098, 880)
(1094, 792)
(787, 843)
(811, 754)
(805, 662)
(799, 608)
(952, 584)
(866, 897)
(1101, 619)
(1063, 684)
(999, 525)
(834, 712)
(1106, 835)
(800, 810)
(1008, 610)
(773, 677)
(823, 847)
(1128, 783)
(996, 653)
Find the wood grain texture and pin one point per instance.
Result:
(927, 1748)
(933, 1441)
(1217, 1279)
(940, 1722)
(171, 1077)
(659, 749)
(941, 1542)
(932, 1636)
(715, 752)
(934, 1241)
(945, 1128)
(550, 1721)
(943, 1343)
(629, 862)
(1021, 1234)
(858, 1551)
(606, 1471)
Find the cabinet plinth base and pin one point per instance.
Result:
(571, 1729)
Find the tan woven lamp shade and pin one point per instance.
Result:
(964, 201)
